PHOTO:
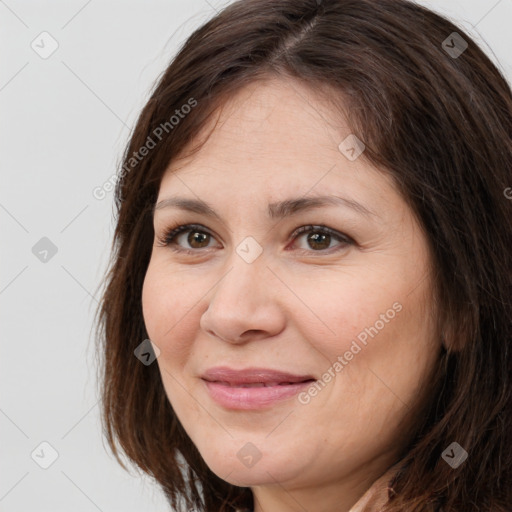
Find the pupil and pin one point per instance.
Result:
(315, 239)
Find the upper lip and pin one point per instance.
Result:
(251, 375)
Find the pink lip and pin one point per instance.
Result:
(226, 386)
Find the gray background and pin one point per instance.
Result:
(65, 120)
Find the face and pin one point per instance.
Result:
(336, 290)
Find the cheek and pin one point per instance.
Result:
(343, 317)
(166, 325)
(159, 307)
(151, 304)
(376, 327)
(169, 316)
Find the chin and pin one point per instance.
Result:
(266, 471)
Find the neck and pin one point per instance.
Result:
(349, 495)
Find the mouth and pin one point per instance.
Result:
(252, 388)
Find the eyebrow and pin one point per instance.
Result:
(276, 210)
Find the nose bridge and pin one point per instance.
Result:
(242, 286)
(242, 299)
(247, 263)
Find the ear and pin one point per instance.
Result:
(453, 336)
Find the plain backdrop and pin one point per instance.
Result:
(63, 125)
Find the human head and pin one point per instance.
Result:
(439, 126)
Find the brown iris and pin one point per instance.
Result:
(319, 238)
(199, 237)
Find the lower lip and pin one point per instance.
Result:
(232, 397)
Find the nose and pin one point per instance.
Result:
(245, 304)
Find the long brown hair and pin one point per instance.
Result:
(440, 123)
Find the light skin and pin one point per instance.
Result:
(297, 307)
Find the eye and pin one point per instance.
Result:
(319, 238)
(198, 237)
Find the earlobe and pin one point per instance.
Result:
(450, 341)
(451, 332)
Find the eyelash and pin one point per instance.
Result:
(166, 240)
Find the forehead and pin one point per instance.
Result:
(273, 139)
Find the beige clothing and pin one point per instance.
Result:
(377, 495)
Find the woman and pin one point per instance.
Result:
(308, 306)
